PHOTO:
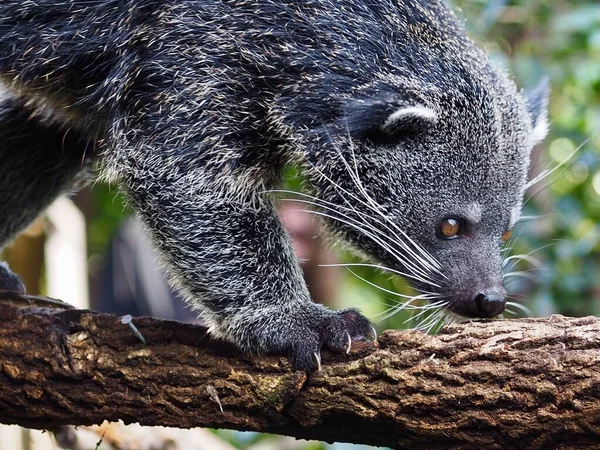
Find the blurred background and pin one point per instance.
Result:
(559, 236)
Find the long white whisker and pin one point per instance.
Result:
(518, 258)
(510, 244)
(377, 208)
(520, 274)
(432, 321)
(530, 274)
(401, 242)
(528, 312)
(374, 266)
(517, 296)
(421, 278)
(392, 309)
(423, 295)
(546, 173)
(400, 307)
(431, 306)
(527, 255)
(537, 217)
(386, 245)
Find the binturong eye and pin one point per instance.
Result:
(506, 235)
(449, 228)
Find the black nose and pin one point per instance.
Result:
(490, 304)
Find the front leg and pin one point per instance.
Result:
(225, 248)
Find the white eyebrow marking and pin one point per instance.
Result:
(411, 111)
(473, 212)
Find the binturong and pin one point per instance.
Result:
(416, 146)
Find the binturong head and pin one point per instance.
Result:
(430, 181)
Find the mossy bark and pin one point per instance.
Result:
(529, 383)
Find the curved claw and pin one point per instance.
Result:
(318, 358)
(374, 333)
(349, 346)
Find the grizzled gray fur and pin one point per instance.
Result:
(194, 107)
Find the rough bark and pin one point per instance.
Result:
(530, 383)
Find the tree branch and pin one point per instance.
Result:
(530, 383)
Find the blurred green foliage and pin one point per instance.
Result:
(532, 39)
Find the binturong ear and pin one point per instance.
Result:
(388, 120)
(537, 104)
(409, 118)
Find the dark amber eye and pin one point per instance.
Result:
(506, 235)
(449, 228)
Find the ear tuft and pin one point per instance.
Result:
(537, 105)
(410, 118)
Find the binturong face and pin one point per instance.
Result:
(430, 188)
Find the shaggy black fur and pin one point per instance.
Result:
(194, 106)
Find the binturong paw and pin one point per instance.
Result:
(335, 331)
(10, 281)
